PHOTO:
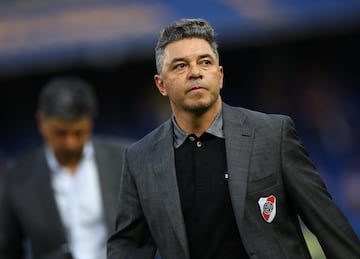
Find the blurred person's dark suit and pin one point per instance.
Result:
(31, 210)
(30, 220)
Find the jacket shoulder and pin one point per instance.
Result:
(256, 118)
(26, 160)
(23, 167)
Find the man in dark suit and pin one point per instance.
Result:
(59, 201)
(216, 181)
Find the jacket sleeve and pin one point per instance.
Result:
(312, 201)
(132, 237)
(11, 237)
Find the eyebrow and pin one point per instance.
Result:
(206, 56)
(184, 59)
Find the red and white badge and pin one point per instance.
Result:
(268, 208)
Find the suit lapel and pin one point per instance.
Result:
(105, 172)
(46, 198)
(238, 140)
(165, 172)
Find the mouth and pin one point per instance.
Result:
(196, 88)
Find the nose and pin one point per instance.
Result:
(195, 72)
(71, 142)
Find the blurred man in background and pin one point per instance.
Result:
(59, 201)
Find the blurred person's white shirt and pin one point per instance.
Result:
(79, 201)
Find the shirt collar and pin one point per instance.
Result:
(88, 152)
(215, 129)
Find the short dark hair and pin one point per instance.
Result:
(181, 29)
(67, 98)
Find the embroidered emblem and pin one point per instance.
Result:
(268, 208)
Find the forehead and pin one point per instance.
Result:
(187, 48)
(58, 123)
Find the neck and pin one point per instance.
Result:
(71, 167)
(194, 123)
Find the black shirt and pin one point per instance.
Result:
(202, 180)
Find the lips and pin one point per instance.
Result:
(196, 88)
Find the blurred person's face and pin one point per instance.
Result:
(191, 76)
(66, 139)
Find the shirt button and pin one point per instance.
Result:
(191, 138)
(198, 144)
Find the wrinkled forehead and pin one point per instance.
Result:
(186, 48)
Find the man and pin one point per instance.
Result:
(59, 201)
(216, 181)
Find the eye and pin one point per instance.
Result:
(206, 62)
(179, 66)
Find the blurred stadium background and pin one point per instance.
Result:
(298, 57)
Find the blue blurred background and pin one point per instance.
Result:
(299, 58)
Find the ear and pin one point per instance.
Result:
(160, 85)
(221, 71)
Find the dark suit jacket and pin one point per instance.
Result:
(264, 157)
(28, 208)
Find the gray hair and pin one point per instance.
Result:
(181, 29)
(67, 98)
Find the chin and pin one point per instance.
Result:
(199, 109)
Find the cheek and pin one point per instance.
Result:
(170, 85)
(55, 140)
(49, 138)
(85, 138)
(219, 80)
